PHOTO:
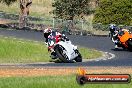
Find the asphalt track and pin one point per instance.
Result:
(122, 58)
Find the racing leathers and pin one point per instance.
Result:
(112, 30)
(52, 39)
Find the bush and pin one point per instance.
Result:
(100, 26)
(114, 11)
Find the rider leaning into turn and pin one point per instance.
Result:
(52, 37)
(113, 32)
(112, 29)
(115, 38)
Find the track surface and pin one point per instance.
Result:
(123, 58)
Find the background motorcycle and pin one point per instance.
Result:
(125, 40)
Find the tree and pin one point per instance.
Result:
(24, 10)
(68, 9)
(7, 2)
(114, 11)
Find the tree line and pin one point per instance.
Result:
(114, 11)
(106, 12)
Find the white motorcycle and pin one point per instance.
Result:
(67, 52)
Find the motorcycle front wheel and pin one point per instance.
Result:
(129, 45)
(78, 58)
(60, 53)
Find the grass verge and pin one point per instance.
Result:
(52, 82)
(23, 51)
(89, 53)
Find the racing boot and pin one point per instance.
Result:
(116, 47)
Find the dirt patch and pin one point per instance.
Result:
(4, 21)
(9, 72)
(34, 72)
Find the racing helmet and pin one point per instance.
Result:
(47, 32)
(126, 30)
(112, 26)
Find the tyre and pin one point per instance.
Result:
(78, 58)
(130, 45)
(59, 52)
(124, 48)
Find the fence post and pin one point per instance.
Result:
(82, 24)
(53, 22)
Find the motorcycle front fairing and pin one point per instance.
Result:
(69, 49)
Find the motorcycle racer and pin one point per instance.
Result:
(52, 37)
(112, 30)
(115, 38)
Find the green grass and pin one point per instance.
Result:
(52, 82)
(89, 53)
(13, 50)
(21, 51)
